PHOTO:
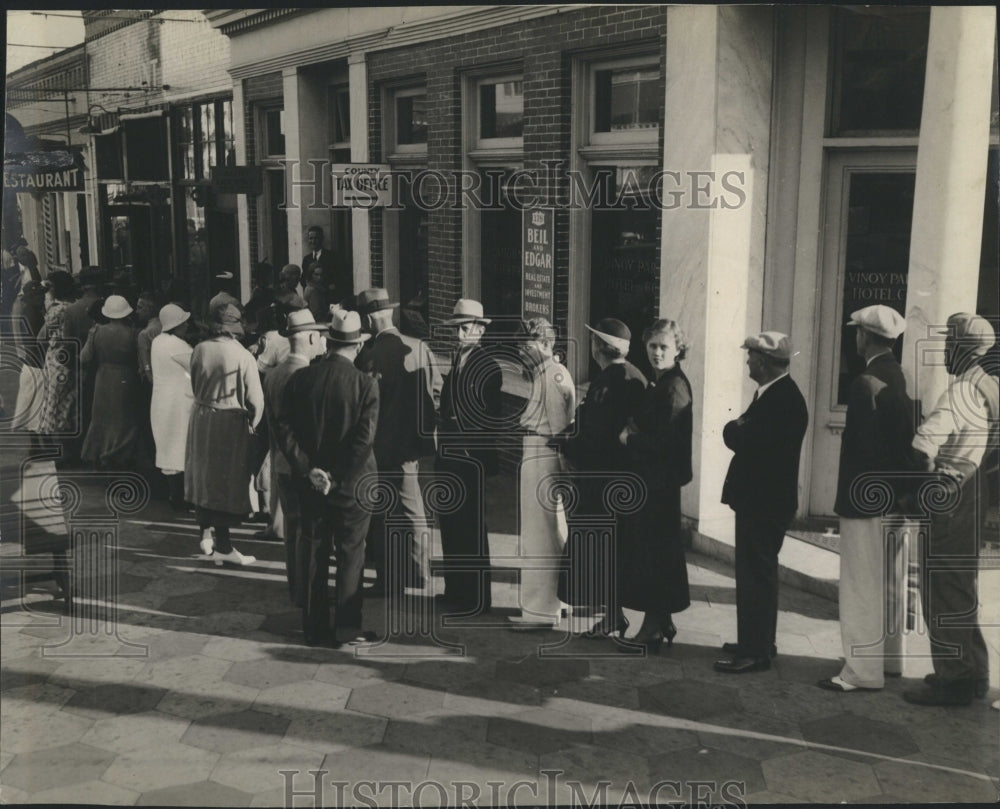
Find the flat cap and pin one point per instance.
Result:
(881, 320)
(773, 343)
(973, 332)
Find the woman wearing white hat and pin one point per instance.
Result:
(170, 408)
(113, 435)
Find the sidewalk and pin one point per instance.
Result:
(200, 693)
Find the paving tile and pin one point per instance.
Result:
(218, 599)
(305, 696)
(730, 733)
(9, 794)
(167, 644)
(350, 674)
(598, 693)
(636, 672)
(331, 731)
(618, 733)
(103, 669)
(480, 761)
(181, 583)
(125, 698)
(919, 782)
(230, 622)
(284, 624)
(862, 734)
(539, 731)
(378, 762)
(208, 700)
(537, 671)
(202, 793)
(791, 701)
(258, 769)
(160, 766)
(268, 673)
(25, 671)
(703, 764)
(690, 699)
(94, 792)
(820, 777)
(45, 730)
(225, 733)
(121, 734)
(958, 735)
(56, 766)
(236, 650)
(452, 671)
(5, 759)
(491, 697)
(31, 700)
(889, 706)
(400, 700)
(436, 736)
(591, 764)
(187, 673)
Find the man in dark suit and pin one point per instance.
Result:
(470, 417)
(409, 386)
(874, 451)
(762, 488)
(329, 412)
(336, 273)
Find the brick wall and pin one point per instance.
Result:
(542, 51)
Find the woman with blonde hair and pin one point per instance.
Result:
(549, 409)
(653, 575)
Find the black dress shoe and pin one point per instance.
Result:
(742, 665)
(735, 649)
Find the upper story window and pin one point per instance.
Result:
(879, 61)
(411, 118)
(205, 137)
(626, 97)
(500, 112)
(273, 130)
(338, 108)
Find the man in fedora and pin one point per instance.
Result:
(874, 454)
(326, 430)
(597, 457)
(307, 341)
(409, 391)
(470, 417)
(762, 487)
(951, 443)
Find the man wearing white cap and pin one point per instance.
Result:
(874, 451)
(951, 442)
(470, 416)
(306, 340)
(762, 488)
(328, 416)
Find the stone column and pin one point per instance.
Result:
(357, 70)
(295, 165)
(951, 182)
(242, 207)
(717, 119)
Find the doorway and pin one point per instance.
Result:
(866, 253)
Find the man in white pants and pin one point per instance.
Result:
(874, 454)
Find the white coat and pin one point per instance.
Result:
(170, 408)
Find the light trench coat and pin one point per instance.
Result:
(170, 408)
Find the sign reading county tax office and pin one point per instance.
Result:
(538, 264)
(361, 185)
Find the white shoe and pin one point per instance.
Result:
(234, 556)
(207, 544)
(996, 705)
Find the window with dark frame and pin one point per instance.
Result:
(411, 119)
(501, 109)
(627, 98)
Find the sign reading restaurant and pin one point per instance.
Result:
(361, 185)
(538, 263)
(29, 178)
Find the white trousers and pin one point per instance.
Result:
(872, 599)
(543, 532)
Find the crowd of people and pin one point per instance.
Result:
(317, 404)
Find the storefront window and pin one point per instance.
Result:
(414, 313)
(880, 57)
(184, 136)
(228, 134)
(501, 261)
(206, 150)
(877, 256)
(624, 270)
(146, 149)
(627, 98)
(501, 109)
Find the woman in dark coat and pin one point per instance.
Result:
(113, 435)
(653, 568)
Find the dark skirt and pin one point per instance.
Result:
(217, 461)
(113, 435)
(652, 567)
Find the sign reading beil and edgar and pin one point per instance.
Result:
(19, 179)
(538, 242)
(361, 185)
